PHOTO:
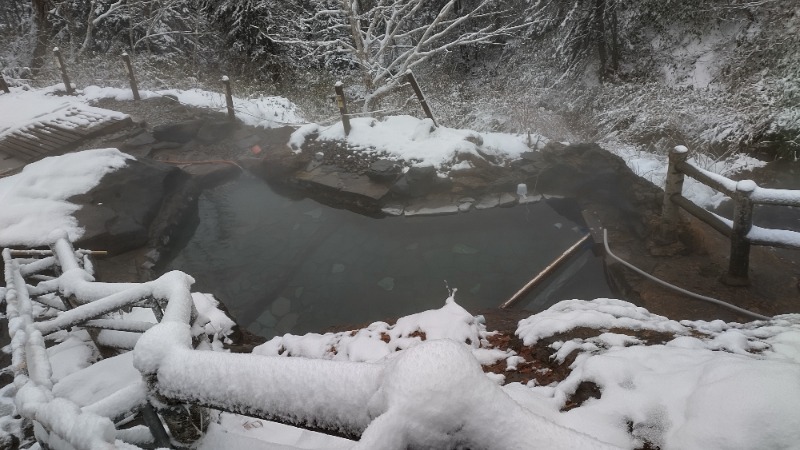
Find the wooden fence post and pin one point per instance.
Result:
(412, 80)
(342, 103)
(63, 67)
(131, 76)
(229, 97)
(673, 186)
(740, 246)
(4, 85)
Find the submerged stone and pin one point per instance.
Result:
(386, 283)
(281, 306)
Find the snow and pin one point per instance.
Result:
(418, 140)
(379, 339)
(599, 313)
(653, 168)
(266, 112)
(35, 200)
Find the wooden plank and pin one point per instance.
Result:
(52, 141)
(53, 135)
(36, 145)
(12, 151)
(22, 146)
(67, 135)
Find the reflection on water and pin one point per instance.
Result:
(283, 265)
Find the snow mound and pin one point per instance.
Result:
(35, 200)
(711, 385)
(417, 140)
(380, 340)
(265, 112)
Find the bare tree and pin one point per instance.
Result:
(98, 12)
(387, 38)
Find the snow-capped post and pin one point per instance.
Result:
(131, 76)
(340, 101)
(412, 80)
(673, 186)
(740, 245)
(63, 67)
(4, 85)
(229, 97)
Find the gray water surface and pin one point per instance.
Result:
(285, 265)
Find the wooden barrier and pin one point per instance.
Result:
(342, 104)
(412, 80)
(745, 194)
(4, 85)
(229, 98)
(131, 76)
(63, 68)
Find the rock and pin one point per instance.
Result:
(417, 182)
(118, 212)
(432, 208)
(393, 210)
(182, 132)
(507, 200)
(386, 283)
(281, 306)
(384, 171)
(488, 201)
(212, 132)
(337, 268)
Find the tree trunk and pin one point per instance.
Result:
(87, 40)
(600, 35)
(40, 8)
(614, 36)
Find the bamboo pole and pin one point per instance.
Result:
(546, 272)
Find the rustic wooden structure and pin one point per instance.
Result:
(412, 80)
(60, 131)
(745, 194)
(342, 104)
(4, 85)
(229, 98)
(131, 76)
(63, 68)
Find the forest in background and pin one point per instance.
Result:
(720, 76)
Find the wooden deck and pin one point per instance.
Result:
(59, 131)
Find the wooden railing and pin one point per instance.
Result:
(741, 231)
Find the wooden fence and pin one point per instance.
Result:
(740, 230)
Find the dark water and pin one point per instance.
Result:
(283, 265)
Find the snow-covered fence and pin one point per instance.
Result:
(60, 422)
(741, 231)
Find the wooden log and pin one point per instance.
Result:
(412, 80)
(739, 264)
(229, 98)
(673, 186)
(342, 104)
(131, 76)
(63, 68)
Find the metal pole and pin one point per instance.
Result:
(131, 76)
(342, 103)
(4, 85)
(740, 246)
(546, 272)
(63, 67)
(229, 97)
(673, 186)
(412, 80)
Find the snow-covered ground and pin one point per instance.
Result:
(705, 385)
